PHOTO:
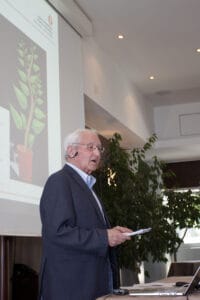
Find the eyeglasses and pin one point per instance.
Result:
(91, 147)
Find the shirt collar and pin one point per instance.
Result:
(89, 179)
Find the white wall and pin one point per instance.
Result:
(71, 82)
(106, 84)
(177, 125)
(177, 121)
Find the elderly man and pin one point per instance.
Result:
(78, 261)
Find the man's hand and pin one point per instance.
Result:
(116, 235)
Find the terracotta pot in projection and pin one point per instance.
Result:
(25, 161)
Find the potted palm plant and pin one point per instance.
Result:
(134, 195)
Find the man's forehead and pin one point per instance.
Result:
(89, 137)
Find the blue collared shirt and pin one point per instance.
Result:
(90, 181)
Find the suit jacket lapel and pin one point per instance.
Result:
(84, 186)
(105, 214)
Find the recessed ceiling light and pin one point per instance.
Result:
(198, 50)
(120, 36)
(151, 77)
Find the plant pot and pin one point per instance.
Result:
(25, 162)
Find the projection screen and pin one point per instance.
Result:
(41, 88)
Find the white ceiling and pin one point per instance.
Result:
(161, 38)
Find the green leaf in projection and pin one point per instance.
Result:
(16, 117)
(22, 75)
(39, 114)
(37, 126)
(29, 57)
(24, 88)
(23, 118)
(36, 68)
(22, 99)
(27, 112)
(39, 101)
(31, 139)
(34, 79)
(21, 61)
(40, 93)
(39, 85)
(21, 52)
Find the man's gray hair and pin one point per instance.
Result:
(74, 137)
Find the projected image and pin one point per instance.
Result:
(28, 113)
(23, 94)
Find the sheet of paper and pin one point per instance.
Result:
(140, 231)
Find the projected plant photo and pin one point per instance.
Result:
(28, 112)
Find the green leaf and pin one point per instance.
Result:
(39, 101)
(24, 88)
(36, 68)
(31, 139)
(29, 57)
(21, 98)
(40, 92)
(21, 61)
(39, 113)
(39, 85)
(23, 118)
(33, 79)
(16, 117)
(37, 126)
(22, 75)
(21, 53)
(25, 50)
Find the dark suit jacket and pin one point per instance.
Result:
(75, 244)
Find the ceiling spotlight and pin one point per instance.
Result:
(151, 77)
(198, 50)
(120, 36)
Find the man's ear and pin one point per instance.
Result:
(70, 151)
